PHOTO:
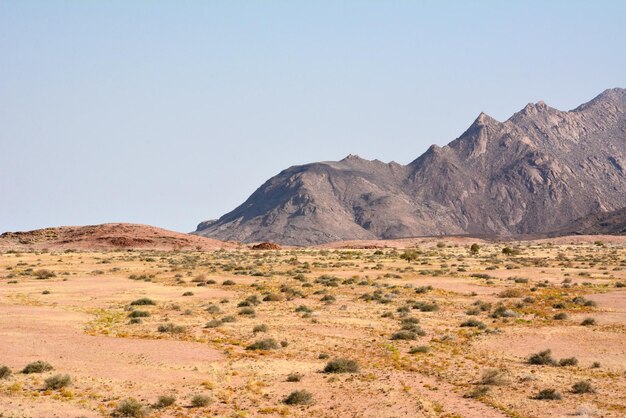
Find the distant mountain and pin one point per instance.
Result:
(115, 236)
(535, 172)
(606, 223)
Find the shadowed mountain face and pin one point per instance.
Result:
(536, 172)
(605, 223)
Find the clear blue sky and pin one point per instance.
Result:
(170, 113)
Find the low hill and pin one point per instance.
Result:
(113, 236)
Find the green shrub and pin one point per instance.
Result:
(507, 251)
(299, 397)
(548, 395)
(570, 361)
(588, 321)
(260, 328)
(493, 377)
(44, 274)
(228, 283)
(473, 323)
(583, 386)
(481, 276)
(328, 299)
(423, 289)
(188, 294)
(510, 293)
(214, 323)
(501, 311)
(139, 314)
(410, 255)
(5, 372)
(164, 401)
(579, 300)
(414, 328)
(247, 312)
(404, 335)
(129, 408)
(142, 302)
(560, 316)
(294, 377)
(272, 297)
(477, 392)
(543, 358)
(419, 349)
(198, 401)
(252, 300)
(266, 344)
(37, 367)
(213, 309)
(341, 365)
(171, 328)
(58, 381)
(426, 307)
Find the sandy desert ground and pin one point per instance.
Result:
(433, 330)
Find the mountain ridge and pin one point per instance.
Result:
(534, 172)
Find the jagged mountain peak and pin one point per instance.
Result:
(534, 112)
(483, 119)
(615, 97)
(353, 157)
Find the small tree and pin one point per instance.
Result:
(410, 255)
(474, 249)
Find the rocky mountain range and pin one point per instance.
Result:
(538, 171)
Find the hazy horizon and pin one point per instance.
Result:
(173, 113)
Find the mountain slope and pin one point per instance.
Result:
(535, 172)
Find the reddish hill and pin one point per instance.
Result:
(112, 236)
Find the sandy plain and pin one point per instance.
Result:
(436, 330)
